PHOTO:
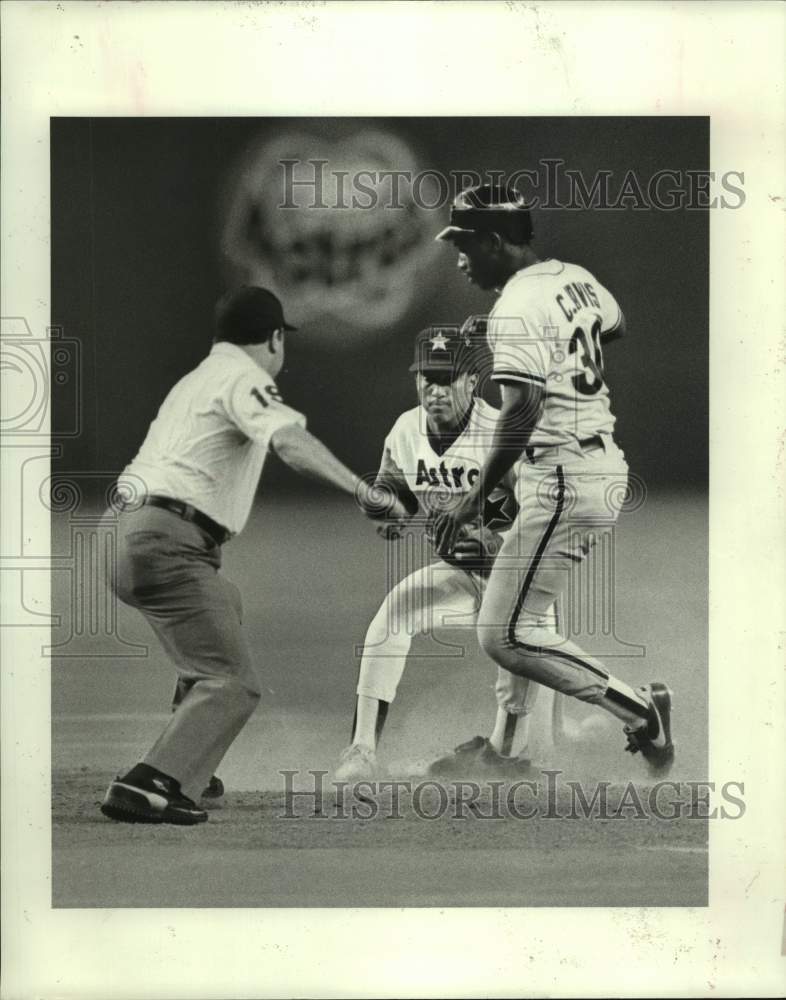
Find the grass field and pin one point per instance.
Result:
(312, 575)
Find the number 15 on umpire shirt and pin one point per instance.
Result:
(210, 438)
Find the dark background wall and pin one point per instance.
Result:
(136, 217)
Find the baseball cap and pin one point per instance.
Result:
(248, 311)
(489, 208)
(443, 349)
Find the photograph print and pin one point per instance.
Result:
(379, 505)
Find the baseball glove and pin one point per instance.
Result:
(475, 550)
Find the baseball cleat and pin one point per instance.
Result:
(462, 758)
(478, 757)
(357, 762)
(653, 739)
(214, 789)
(518, 767)
(157, 801)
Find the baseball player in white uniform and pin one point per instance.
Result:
(436, 449)
(188, 490)
(556, 429)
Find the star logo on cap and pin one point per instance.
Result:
(439, 342)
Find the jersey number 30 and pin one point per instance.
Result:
(590, 380)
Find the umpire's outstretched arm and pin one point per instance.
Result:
(304, 453)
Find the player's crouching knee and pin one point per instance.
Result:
(493, 641)
(500, 643)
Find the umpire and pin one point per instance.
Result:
(199, 466)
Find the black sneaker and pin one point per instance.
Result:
(153, 800)
(653, 739)
(476, 758)
(214, 789)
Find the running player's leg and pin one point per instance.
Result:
(557, 524)
(516, 697)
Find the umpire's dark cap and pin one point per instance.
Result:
(444, 349)
(252, 312)
(489, 208)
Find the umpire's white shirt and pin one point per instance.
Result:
(208, 443)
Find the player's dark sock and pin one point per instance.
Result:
(354, 728)
(510, 735)
(142, 776)
(381, 714)
(507, 740)
(626, 704)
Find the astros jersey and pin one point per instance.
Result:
(208, 443)
(546, 328)
(434, 467)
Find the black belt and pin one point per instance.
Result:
(588, 444)
(218, 533)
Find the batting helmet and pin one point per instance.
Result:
(490, 208)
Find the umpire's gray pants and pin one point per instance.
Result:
(168, 569)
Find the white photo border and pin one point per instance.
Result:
(217, 59)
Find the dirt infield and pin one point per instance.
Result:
(251, 853)
(109, 702)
